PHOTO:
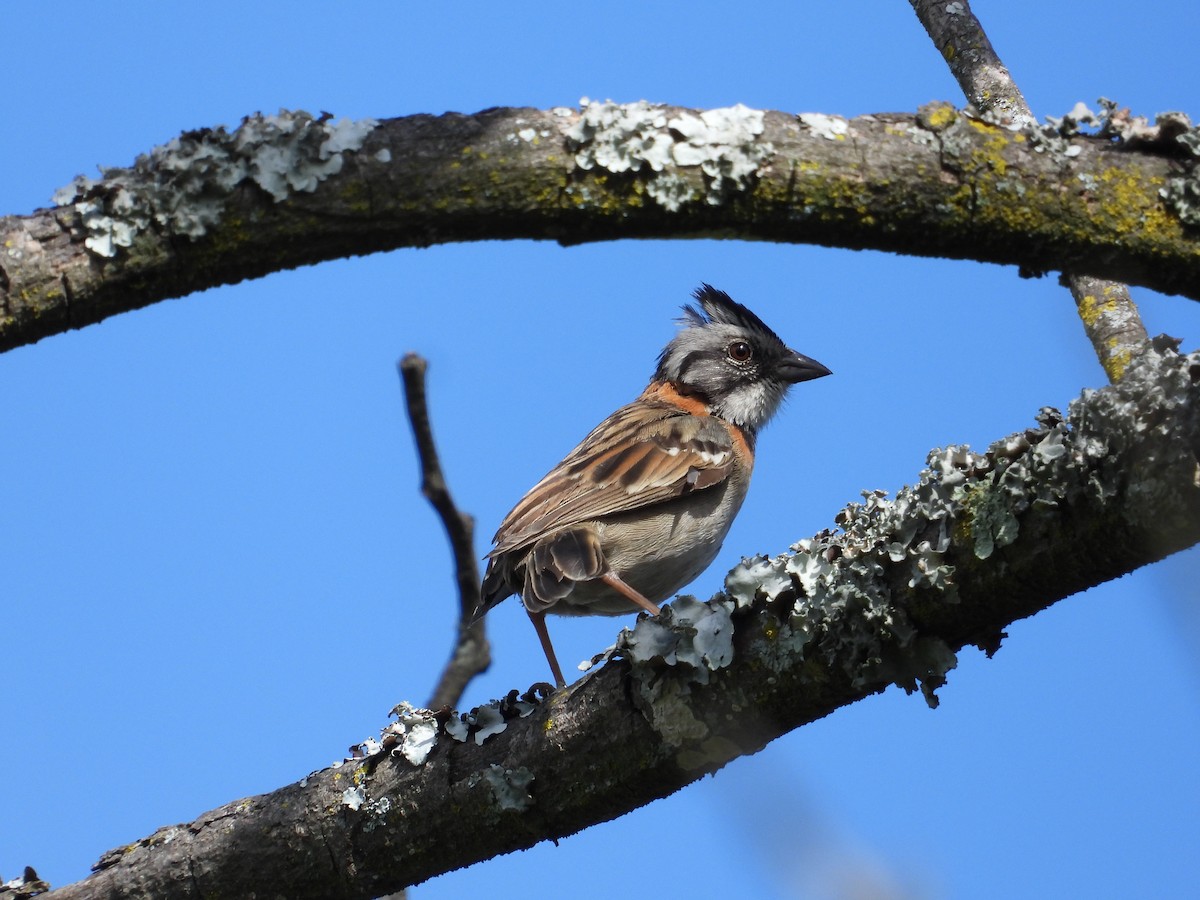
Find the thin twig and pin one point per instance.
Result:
(1109, 314)
(471, 654)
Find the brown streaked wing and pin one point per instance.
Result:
(628, 462)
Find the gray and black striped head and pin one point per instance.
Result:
(729, 355)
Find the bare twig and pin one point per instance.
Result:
(1109, 315)
(471, 654)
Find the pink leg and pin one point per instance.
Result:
(539, 625)
(614, 581)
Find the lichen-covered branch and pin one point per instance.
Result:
(1110, 317)
(471, 654)
(973, 62)
(981, 539)
(1111, 320)
(216, 206)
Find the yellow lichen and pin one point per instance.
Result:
(1117, 362)
(1131, 204)
(1089, 309)
(941, 116)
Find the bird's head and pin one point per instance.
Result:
(727, 354)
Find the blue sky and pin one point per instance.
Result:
(216, 571)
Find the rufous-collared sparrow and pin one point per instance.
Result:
(641, 507)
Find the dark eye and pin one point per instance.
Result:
(739, 351)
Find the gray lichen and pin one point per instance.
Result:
(526, 135)
(488, 719)
(687, 633)
(413, 735)
(832, 128)
(1182, 195)
(646, 138)
(1116, 123)
(182, 187)
(692, 634)
(354, 797)
(1171, 134)
(509, 787)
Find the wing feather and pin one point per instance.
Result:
(630, 461)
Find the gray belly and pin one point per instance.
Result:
(657, 552)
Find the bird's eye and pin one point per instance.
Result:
(739, 351)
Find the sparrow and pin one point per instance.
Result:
(643, 504)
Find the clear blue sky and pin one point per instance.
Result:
(216, 571)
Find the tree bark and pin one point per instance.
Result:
(215, 207)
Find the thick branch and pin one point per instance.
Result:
(982, 540)
(215, 208)
(1110, 318)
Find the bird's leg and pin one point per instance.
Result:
(539, 625)
(613, 580)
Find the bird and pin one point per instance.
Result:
(641, 507)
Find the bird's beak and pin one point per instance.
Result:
(798, 367)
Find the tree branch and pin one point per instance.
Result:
(982, 540)
(1109, 315)
(975, 65)
(471, 654)
(282, 191)
(1111, 320)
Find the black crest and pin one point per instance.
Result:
(717, 307)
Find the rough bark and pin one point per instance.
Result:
(981, 540)
(208, 209)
